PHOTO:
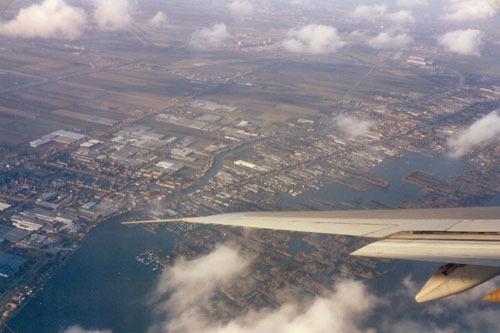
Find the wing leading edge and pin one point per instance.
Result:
(467, 237)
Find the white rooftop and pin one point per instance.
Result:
(3, 206)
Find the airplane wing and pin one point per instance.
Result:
(469, 238)
(4, 4)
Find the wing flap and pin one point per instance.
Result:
(467, 252)
(416, 226)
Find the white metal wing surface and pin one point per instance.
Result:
(469, 238)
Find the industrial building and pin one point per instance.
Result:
(4, 206)
(61, 136)
(10, 264)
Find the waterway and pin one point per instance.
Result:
(102, 286)
(392, 170)
(214, 168)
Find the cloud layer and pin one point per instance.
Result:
(390, 40)
(412, 3)
(190, 285)
(112, 14)
(466, 42)
(160, 19)
(57, 19)
(79, 329)
(241, 8)
(336, 311)
(486, 128)
(313, 39)
(379, 12)
(352, 127)
(300, 2)
(368, 12)
(50, 19)
(401, 17)
(186, 289)
(210, 37)
(467, 10)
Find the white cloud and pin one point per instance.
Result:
(352, 127)
(79, 329)
(368, 12)
(112, 14)
(401, 17)
(401, 314)
(412, 3)
(160, 19)
(389, 40)
(187, 288)
(190, 286)
(379, 12)
(210, 37)
(467, 10)
(49, 19)
(241, 8)
(482, 320)
(314, 39)
(463, 300)
(300, 2)
(472, 313)
(410, 285)
(466, 42)
(486, 128)
(358, 36)
(338, 311)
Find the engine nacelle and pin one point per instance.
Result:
(452, 279)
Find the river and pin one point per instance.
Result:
(392, 170)
(102, 285)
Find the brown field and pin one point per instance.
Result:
(40, 97)
(70, 114)
(17, 113)
(72, 90)
(130, 80)
(50, 69)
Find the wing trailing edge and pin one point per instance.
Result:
(466, 252)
